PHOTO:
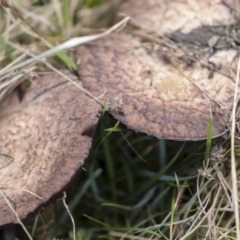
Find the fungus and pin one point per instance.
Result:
(44, 140)
(172, 69)
(165, 76)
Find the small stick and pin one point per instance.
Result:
(5, 4)
(70, 215)
(233, 160)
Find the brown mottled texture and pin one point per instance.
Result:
(167, 91)
(44, 138)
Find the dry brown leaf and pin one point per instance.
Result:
(47, 138)
(166, 84)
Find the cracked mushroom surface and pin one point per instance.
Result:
(170, 70)
(43, 142)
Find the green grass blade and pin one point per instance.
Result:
(97, 221)
(79, 195)
(66, 60)
(66, 17)
(4, 47)
(209, 140)
(154, 179)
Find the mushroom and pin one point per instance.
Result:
(167, 16)
(170, 72)
(165, 76)
(44, 140)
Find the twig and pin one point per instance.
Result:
(70, 215)
(233, 161)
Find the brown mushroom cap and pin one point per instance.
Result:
(43, 142)
(157, 88)
(166, 16)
